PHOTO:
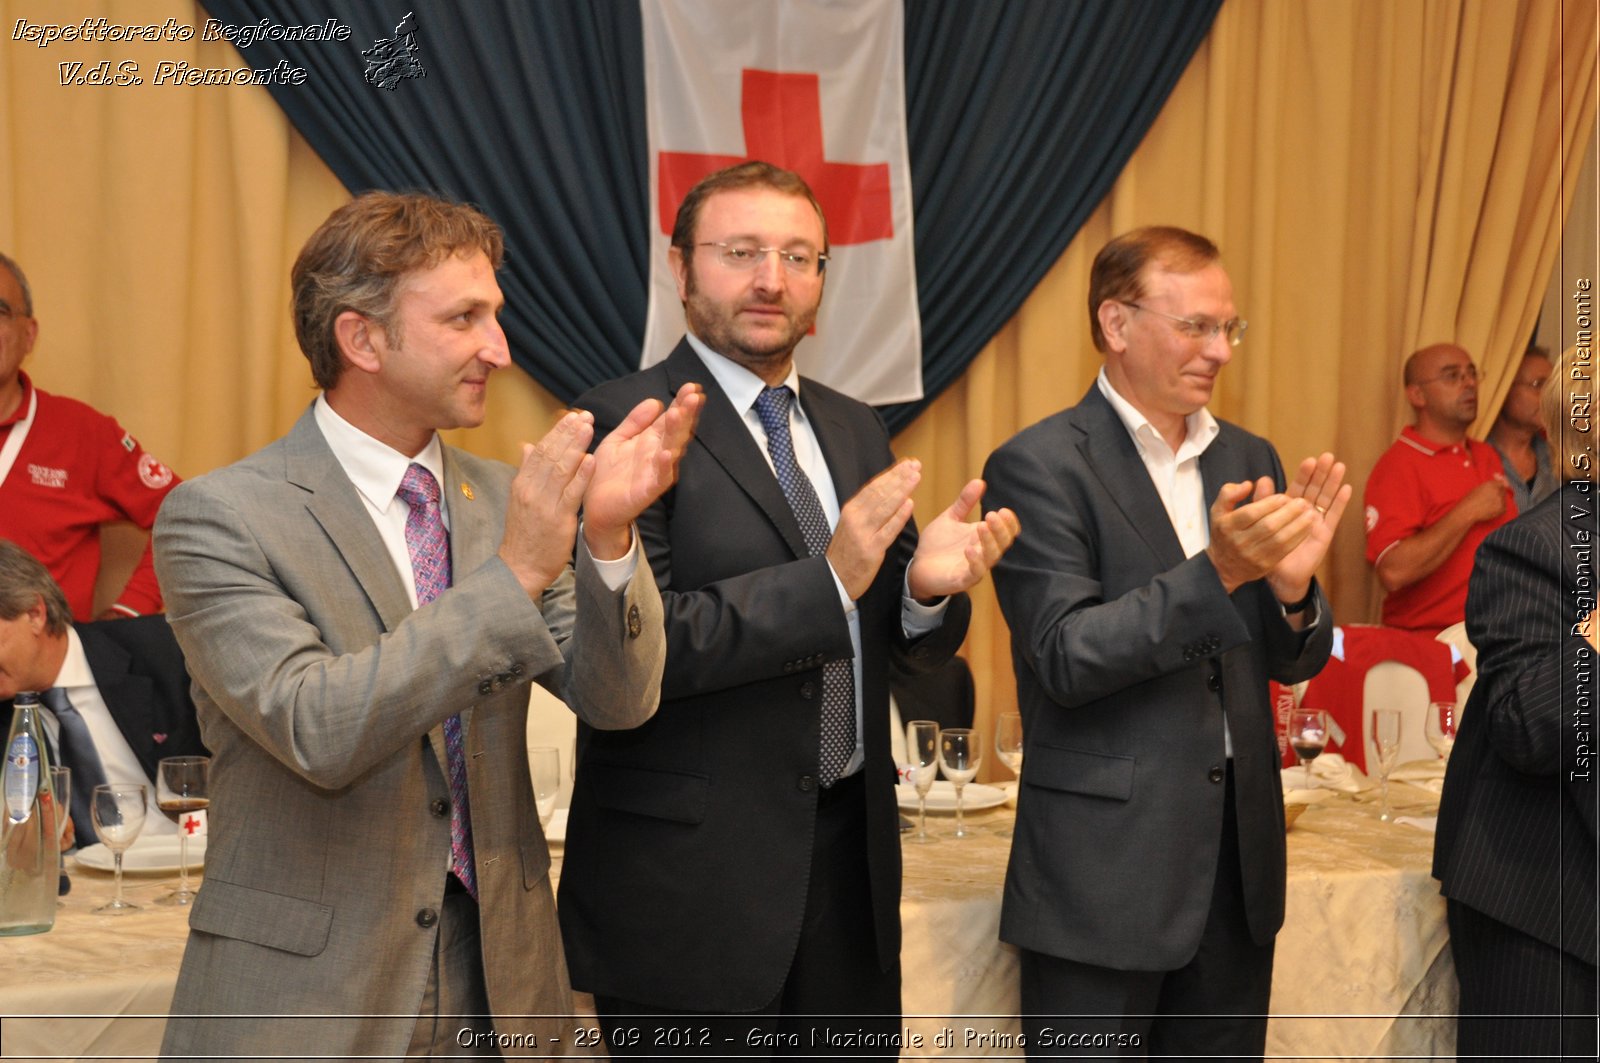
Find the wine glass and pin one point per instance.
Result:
(1440, 727)
(61, 794)
(544, 765)
(960, 753)
(922, 750)
(118, 812)
(1386, 735)
(1308, 737)
(1008, 747)
(181, 791)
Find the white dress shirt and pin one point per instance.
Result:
(743, 388)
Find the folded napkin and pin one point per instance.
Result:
(1416, 770)
(1331, 772)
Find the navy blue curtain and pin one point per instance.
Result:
(1020, 116)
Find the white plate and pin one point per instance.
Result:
(975, 797)
(556, 832)
(146, 856)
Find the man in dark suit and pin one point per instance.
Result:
(739, 852)
(1515, 849)
(117, 689)
(1146, 880)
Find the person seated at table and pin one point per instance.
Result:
(1515, 848)
(1433, 495)
(116, 692)
(1518, 434)
(66, 469)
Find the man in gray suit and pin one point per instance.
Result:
(362, 648)
(1146, 879)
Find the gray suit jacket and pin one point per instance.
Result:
(1127, 656)
(321, 693)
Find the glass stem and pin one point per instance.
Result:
(118, 856)
(961, 829)
(922, 816)
(183, 862)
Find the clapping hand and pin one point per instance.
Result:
(953, 554)
(634, 466)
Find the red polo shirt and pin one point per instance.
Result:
(1415, 483)
(77, 470)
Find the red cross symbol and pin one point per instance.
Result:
(782, 118)
(191, 824)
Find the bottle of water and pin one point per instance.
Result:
(28, 849)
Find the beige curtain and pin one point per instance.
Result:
(1379, 174)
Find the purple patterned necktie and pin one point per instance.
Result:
(429, 546)
(838, 677)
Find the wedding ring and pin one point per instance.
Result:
(1323, 510)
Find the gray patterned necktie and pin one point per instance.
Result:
(838, 677)
(79, 754)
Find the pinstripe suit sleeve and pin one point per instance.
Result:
(1520, 617)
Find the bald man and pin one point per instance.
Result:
(1434, 495)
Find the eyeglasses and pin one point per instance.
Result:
(1454, 374)
(1201, 329)
(745, 257)
(7, 311)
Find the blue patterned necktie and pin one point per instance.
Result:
(77, 753)
(429, 546)
(838, 677)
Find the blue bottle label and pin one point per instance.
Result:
(21, 776)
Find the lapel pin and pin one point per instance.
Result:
(466, 489)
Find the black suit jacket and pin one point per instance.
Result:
(1127, 655)
(689, 843)
(1516, 835)
(139, 671)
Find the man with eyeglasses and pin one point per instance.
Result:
(1518, 435)
(1434, 495)
(66, 469)
(1165, 575)
(739, 855)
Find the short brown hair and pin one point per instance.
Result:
(1118, 270)
(357, 258)
(23, 581)
(753, 174)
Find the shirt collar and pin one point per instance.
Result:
(1417, 441)
(75, 670)
(740, 385)
(22, 407)
(1200, 428)
(374, 467)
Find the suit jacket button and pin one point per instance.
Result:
(1216, 774)
(426, 918)
(806, 784)
(635, 625)
(440, 807)
(486, 687)
(1213, 682)
(808, 690)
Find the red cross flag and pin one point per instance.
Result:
(814, 86)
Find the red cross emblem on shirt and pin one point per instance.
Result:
(782, 119)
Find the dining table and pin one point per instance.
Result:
(1362, 964)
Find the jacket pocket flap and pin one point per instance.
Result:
(290, 924)
(1081, 772)
(674, 795)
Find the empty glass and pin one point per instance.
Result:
(118, 810)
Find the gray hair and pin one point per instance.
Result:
(22, 282)
(23, 582)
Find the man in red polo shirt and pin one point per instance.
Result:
(66, 469)
(1434, 495)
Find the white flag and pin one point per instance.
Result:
(814, 86)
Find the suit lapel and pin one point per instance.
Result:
(334, 503)
(724, 434)
(839, 449)
(129, 698)
(1108, 450)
